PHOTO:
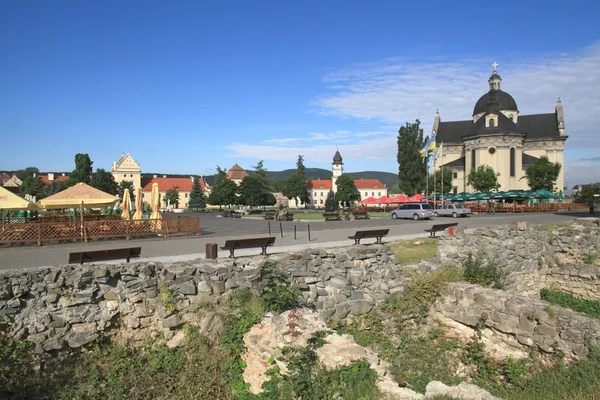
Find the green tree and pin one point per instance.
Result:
(269, 199)
(586, 195)
(223, 190)
(300, 168)
(83, 169)
(33, 186)
(395, 188)
(123, 186)
(330, 203)
(197, 199)
(346, 193)
(23, 174)
(295, 188)
(103, 180)
(55, 187)
(277, 185)
(443, 184)
(542, 174)
(483, 179)
(251, 191)
(172, 197)
(412, 167)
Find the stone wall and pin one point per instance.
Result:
(514, 323)
(580, 281)
(74, 305)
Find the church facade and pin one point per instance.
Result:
(498, 136)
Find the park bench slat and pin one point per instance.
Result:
(440, 227)
(373, 233)
(234, 244)
(103, 255)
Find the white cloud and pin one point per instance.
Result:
(397, 90)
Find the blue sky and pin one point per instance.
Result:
(189, 85)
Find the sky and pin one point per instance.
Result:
(186, 86)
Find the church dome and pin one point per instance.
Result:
(495, 100)
(337, 159)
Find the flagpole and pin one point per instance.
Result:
(434, 181)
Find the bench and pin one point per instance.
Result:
(234, 244)
(102, 255)
(285, 217)
(374, 233)
(332, 216)
(253, 212)
(232, 214)
(270, 215)
(360, 215)
(440, 227)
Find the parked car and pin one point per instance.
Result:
(415, 211)
(452, 210)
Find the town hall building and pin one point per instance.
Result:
(498, 136)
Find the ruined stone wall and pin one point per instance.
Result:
(74, 305)
(513, 323)
(582, 281)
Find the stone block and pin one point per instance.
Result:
(338, 282)
(204, 287)
(218, 287)
(360, 307)
(172, 322)
(81, 339)
(188, 288)
(342, 310)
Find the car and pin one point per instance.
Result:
(452, 210)
(415, 211)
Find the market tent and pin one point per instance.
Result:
(79, 195)
(10, 201)
(384, 200)
(401, 198)
(543, 193)
(417, 197)
(368, 200)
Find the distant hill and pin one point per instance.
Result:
(386, 178)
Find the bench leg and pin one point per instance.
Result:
(231, 253)
(128, 255)
(264, 251)
(432, 234)
(356, 241)
(81, 258)
(378, 240)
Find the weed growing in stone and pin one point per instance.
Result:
(567, 300)
(486, 275)
(167, 297)
(276, 293)
(590, 258)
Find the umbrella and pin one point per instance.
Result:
(401, 198)
(79, 195)
(368, 200)
(384, 200)
(125, 205)
(10, 201)
(138, 204)
(155, 202)
(543, 193)
(417, 197)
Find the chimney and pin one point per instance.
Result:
(50, 176)
(164, 176)
(35, 174)
(63, 174)
(154, 176)
(192, 178)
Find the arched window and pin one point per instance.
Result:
(473, 159)
(512, 161)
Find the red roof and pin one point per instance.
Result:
(164, 184)
(236, 172)
(319, 184)
(59, 178)
(368, 184)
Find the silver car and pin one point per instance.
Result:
(415, 211)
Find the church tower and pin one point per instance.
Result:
(337, 169)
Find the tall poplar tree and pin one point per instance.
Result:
(412, 167)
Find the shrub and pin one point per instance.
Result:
(277, 294)
(567, 300)
(590, 258)
(486, 275)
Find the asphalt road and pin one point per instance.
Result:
(217, 230)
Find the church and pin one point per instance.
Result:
(498, 136)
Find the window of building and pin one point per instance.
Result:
(512, 161)
(491, 123)
(455, 175)
(366, 194)
(186, 195)
(321, 202)
(455, 189)
(473, 159)
(372, 193)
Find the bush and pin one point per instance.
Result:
(486, 275)
(277, 294)
(567, 300)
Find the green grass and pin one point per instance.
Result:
(567, 300)
(414, 250)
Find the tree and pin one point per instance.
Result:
(542, 174)
(223, 191)
(123, 186)
(83, 169)
(586, 195)
(251, 191)
(346, 193)
(395, 188)
(33, 186)
(443, 184)
(23, 174)
(330, 203)
(295, 188)
(197, 199)
(412, 167)
(483, 179)
(300, 168)
(55, 187)
(172, 197)
(103, 180)
(269, 199)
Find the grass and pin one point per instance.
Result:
(414, 250)
(567, 300)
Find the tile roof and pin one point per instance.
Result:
(236, 172)
(368, 184)
(539, 125)
(319, 184)
(164, 184)
(59, 178)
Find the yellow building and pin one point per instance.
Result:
(127, 169)
(498, 136)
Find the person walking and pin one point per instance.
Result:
(591, 206)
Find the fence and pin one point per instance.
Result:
(40, 232)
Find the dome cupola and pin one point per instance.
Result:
(337, 158)
(496, 99)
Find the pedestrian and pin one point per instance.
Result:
(492, 207)
(591, 206)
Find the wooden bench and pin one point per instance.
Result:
(439, 227)
(234, 244)
(374, 233)
(231, 214)
(360, 215)
(332, 216)
(270, 215)
(102, 255)
(255, 212)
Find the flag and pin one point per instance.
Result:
(438, 153)
(429, 146)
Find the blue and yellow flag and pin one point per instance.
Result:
(429, 146)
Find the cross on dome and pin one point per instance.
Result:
(495, 65)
